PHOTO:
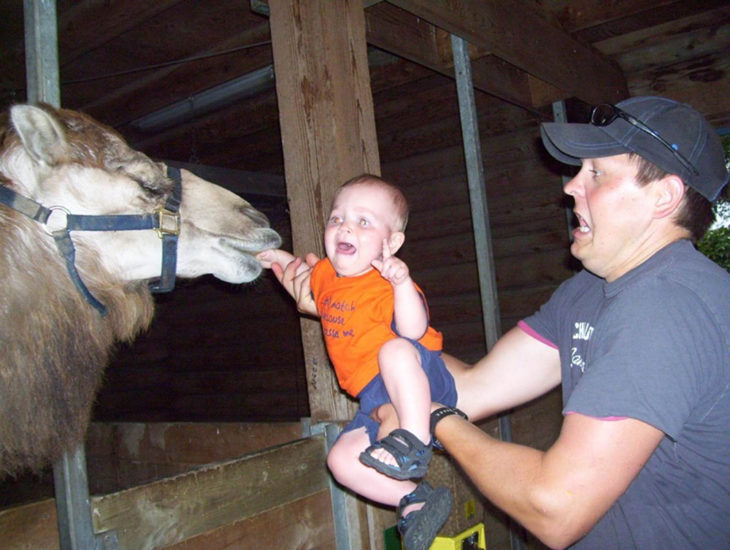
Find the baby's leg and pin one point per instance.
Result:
(408, 389)
(407, 385)
(343, 461)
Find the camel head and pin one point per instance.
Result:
(66, 161)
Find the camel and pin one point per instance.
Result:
(73, 285)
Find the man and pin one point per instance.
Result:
(639, 342)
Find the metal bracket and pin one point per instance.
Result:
(346, 525)
(73, 509)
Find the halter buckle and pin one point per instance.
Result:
(168, 222)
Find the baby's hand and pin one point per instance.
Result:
(274, 256)
(391, 268)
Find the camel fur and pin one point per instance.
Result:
(55, 345)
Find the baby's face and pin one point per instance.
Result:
(362, 216)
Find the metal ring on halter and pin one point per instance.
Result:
(49, 226)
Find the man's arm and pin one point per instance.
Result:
(561, 493)
(516, 370)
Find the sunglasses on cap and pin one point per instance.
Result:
(605, 113)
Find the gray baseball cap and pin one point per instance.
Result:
(672, 135)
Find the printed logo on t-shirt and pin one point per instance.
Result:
(583, 333)
(334, 318)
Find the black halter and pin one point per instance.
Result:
(165, 221)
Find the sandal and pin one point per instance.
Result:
(408, 451)
(419, 528)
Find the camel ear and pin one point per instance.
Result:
(41, 133)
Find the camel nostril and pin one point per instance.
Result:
(258, 217)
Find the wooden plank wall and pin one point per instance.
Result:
(222, 353)
(526, 211)
(123, 455)
(214, 352)
(275, 498)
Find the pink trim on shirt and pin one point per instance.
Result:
(598, 417)
(527, 329)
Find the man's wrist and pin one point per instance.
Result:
(438, 415)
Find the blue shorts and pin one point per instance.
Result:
(443, 390)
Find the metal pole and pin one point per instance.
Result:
(477, 190)
(344, 504)
(41, 52)
(479, 215)
(75, 530)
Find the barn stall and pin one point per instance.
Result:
(230, 372)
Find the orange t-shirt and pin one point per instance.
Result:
(356, 315)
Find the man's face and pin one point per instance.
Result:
(615, 215)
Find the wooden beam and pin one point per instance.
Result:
(185, 79)
(328, 135)
(592, 20)
(513, 31)
(242, 182)
(30, 526)
(406, 35)
(110, 19)
(76, 36)
(176, 508)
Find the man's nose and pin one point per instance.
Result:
(573, 186)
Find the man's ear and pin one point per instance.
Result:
(396, 240)
(670, 192)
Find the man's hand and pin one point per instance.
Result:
(293, 273)
(391, 268)
(295, 279)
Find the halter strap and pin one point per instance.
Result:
(166, 221)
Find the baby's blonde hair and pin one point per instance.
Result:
(400, 203)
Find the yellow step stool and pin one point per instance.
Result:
(471, 539)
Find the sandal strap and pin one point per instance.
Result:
(419, 528)
(419, 494)
(403, 445)
(411, 455)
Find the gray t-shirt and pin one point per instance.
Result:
(654, 345)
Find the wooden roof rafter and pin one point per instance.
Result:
(517, 34)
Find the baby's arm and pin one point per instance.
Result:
(411, 317)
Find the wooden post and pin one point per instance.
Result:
(328, 136)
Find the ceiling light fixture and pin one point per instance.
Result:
(209, 100)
